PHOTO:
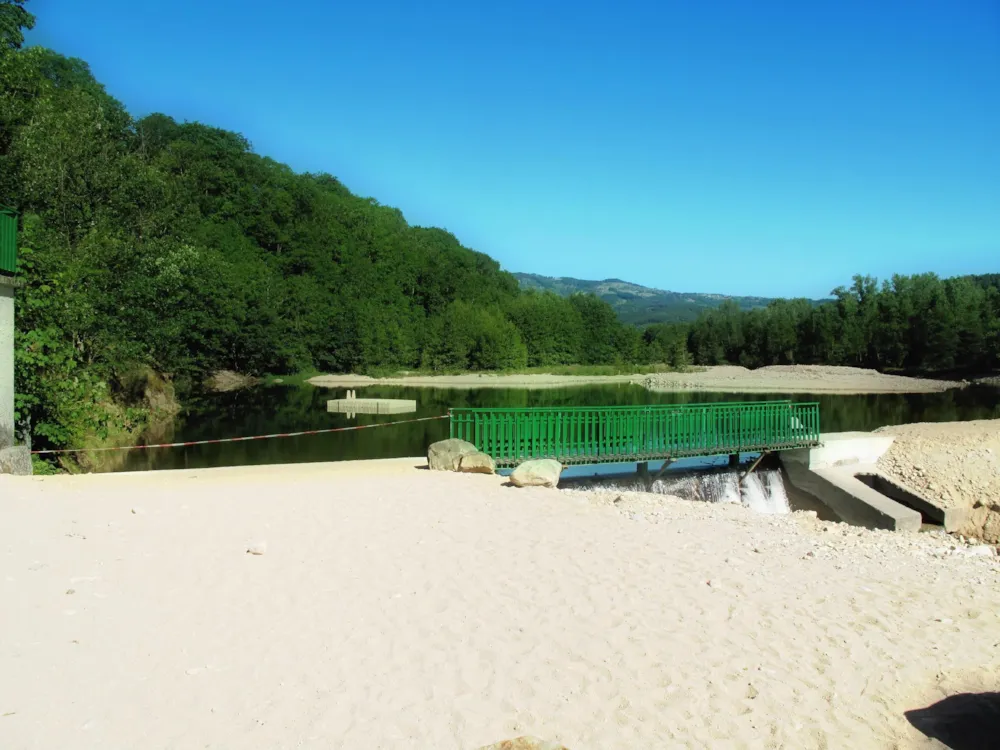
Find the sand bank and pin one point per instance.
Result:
(795, 379)
(479, 380)
(725, 379)
(399, 608)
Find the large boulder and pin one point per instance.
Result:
(539, 473)
(525, 743)
(446, 455)
(477, 463)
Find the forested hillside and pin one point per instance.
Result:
(154, 246)
(636, 304)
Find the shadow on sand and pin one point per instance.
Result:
(967, 721)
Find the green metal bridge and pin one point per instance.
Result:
(627, 434)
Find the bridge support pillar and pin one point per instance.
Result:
(642, 468)
(734, 460)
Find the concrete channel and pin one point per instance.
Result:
(841, 473)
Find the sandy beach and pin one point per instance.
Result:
(723, 379)
(399, 608)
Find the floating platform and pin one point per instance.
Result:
(354, 405)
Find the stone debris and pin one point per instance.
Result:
(257, 548)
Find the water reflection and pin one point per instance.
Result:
(288, 409)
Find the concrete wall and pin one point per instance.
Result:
(6, 362)
(827, 472)
(14, 459)
(852, 500)
(841, 449)
(952, 519)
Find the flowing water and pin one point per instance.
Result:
(278, 409)
(763, 490)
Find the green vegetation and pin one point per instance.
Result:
(917, 323)
(149, 245)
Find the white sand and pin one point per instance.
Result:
(397, 608)
(723, 379)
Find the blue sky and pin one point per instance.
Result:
(739, 147)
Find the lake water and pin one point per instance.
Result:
(278, 409)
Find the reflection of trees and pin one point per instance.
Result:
(290, 409)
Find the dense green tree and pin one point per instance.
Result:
(667, 343)
(14, 21)
(600, 329)
(550, 326)
(916, 322)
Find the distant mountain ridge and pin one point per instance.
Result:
(637, 304)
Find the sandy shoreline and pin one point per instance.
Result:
(400, 608)
(723, 379)
(469, 381)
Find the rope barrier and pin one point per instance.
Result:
(238, 439)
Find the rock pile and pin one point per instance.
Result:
(458, 455)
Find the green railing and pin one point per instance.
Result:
(611, 434)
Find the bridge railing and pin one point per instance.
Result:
(610, 434)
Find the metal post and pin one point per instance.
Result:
(659, 473)
(752, 467)
(734, 460)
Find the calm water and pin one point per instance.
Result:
(289, 409)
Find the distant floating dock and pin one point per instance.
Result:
(354, 405)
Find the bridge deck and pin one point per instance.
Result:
(620, 434)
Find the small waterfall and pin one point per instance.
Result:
(762, 491)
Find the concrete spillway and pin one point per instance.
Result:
(829, 472)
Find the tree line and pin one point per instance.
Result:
(917, 323)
